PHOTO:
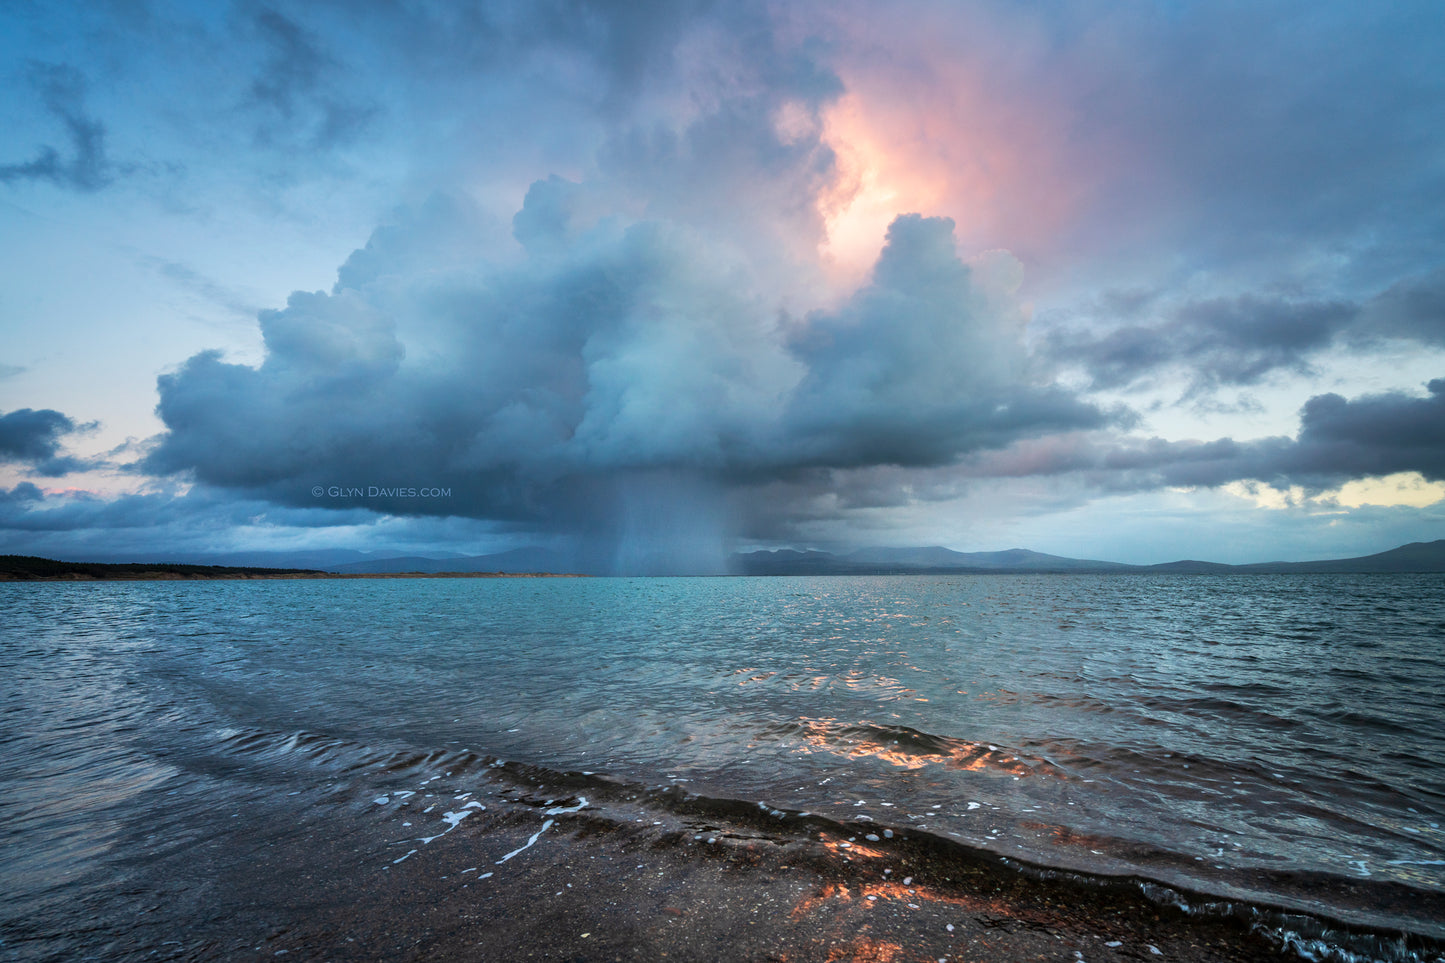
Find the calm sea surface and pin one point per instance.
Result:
(1270, 740)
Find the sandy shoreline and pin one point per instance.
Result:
(600, 893)
(600, 875)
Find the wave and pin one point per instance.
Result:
(902, 746)
(1278, 906)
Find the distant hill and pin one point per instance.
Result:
(1415, 557)
(28, 568)
(1014, 559)
(299, 558)
(522, 561)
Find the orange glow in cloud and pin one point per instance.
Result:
(876, 182)
(925, 130)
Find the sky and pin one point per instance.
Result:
(649, 282)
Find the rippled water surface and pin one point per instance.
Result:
(1275, 739)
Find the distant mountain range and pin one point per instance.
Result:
(1415, 557)
(517, 561)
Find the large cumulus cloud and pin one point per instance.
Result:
(616, 355)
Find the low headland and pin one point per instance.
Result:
(29, 568)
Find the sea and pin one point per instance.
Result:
(1266, 745)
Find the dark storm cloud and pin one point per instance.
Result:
(620, 358)
(1411, 309)
(82, 165)
(635, 360)
(1242, 340)
(1214, 342)
(33, 438)
(1338, 440)
(1374, 435)
(914, 370)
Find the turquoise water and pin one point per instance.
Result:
(1276, 740)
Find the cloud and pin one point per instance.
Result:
(1412, 309)
(296, 94)
(202, 286)
(1374, 435)
(79, 524)
(33, 438)
(87, 169)
(1213, 342)
(617, 357)
(1241, 340)
(921, 366)
(1338, 439)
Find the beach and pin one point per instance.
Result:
(609, 872)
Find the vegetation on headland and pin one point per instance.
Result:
(30, 568)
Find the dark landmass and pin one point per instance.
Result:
(29, 568)
(522, 560)
(1420, 557)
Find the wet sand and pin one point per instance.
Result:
(620, 877)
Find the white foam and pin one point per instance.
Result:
(558, 810)
(453, 820)
(528, 844)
